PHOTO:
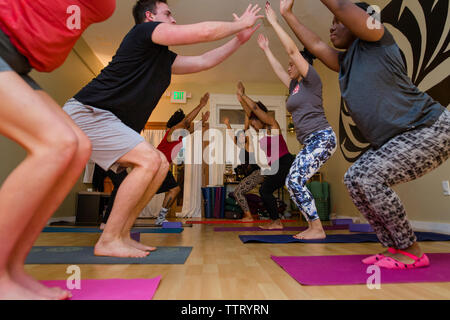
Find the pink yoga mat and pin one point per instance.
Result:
(111, 289)
(349, 270)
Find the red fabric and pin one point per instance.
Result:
(170, 149)
(266, 146)
(39, 28)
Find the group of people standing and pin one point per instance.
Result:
(408, 131)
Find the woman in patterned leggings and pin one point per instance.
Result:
(408, 131)
(247, 158)
(311, 126)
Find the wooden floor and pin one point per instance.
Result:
(222, 267)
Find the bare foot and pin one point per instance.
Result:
(273, 225)
(311, 234)
(137, 245)
(26, 281)
(299, 235)
(118, 248)
(10, 290)
(247, 217)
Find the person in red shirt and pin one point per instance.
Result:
(170, 148)
(37, 34)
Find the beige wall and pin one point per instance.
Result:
(61, 84)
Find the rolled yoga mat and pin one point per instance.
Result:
(336, 238)
(220, 229)
(85, 255)
(110, 289)
(97, 230)
(349, 270)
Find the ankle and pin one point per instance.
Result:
(414, 249)
(316, 225)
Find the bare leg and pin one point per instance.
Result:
(247, 216)
(146, 163)
(148, 195)
(51, 147)
(49, 206)
(170, 197)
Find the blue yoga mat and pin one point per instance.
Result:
(97, 230)
(85, 255)
(336, 238)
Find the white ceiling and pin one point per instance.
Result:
(248, 63)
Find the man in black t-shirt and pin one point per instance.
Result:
(114, 107)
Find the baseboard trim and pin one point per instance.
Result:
(66, 219)
(417, 225)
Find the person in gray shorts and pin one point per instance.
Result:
(56, 149)
(114, 107)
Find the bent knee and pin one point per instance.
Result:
(164, 165)
(84, 147)
(57, 145)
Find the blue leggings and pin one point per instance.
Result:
(319, 147)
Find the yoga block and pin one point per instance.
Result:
(171, 225)
(360, 228)
(136, 236)
(341, 221)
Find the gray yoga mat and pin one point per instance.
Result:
(85, 255)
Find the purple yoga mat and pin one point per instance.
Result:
(337, 227)
(111, 289)
(349, 270)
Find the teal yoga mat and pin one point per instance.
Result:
(97, 230)
(85, 255)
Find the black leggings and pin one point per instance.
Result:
(116, 178)
(274, 182)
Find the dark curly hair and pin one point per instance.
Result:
(308, 56)
(176, 118)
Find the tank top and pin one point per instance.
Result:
(266, 145)
(170, 149)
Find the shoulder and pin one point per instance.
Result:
(146, 28)
(312, 77)
(386, 40)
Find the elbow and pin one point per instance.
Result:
(204, 64)
(292, 52)
(207, 33)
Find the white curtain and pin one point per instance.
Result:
(89, 172)
(192, 198)
(154, 137)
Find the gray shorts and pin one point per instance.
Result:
(12, 60)
(111, 139)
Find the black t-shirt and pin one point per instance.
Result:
(134, 81)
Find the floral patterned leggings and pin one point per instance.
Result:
(319, 147)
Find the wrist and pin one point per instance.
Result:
(286, 13)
